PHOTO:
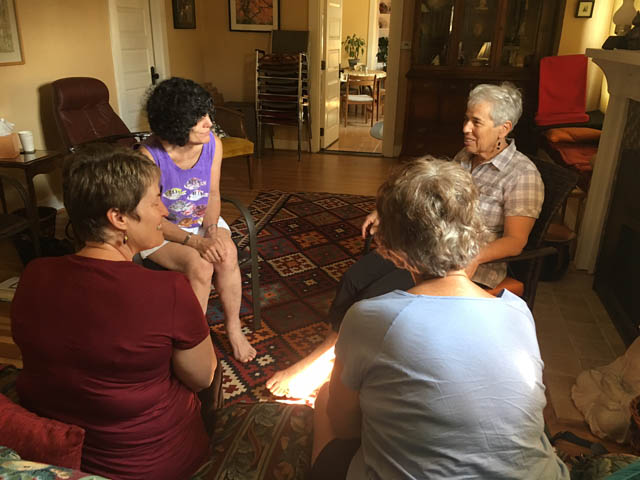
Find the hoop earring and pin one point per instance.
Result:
(498, 146)
(125, 238)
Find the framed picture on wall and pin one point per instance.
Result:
(184, 14)
(10, 44)
(584, 9)
(254, 15)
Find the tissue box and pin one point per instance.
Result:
(9, 146)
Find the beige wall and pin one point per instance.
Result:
(187, 47)
(229, 57)
(578, 34)
(355, 19)
(59, 39)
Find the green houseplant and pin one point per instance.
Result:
(354, 46)
(383, 51)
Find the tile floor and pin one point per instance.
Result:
(575, 333)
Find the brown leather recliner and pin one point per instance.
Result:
(82, 112)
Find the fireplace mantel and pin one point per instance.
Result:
(622, 69)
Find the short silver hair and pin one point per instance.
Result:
(428, 211)
(505, 101)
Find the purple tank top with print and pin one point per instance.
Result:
(185, 193)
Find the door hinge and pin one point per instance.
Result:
(323, 65)
(321, 132)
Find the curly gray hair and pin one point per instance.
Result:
(429, 215)
(505, 100)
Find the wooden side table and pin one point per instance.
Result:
(32, 164)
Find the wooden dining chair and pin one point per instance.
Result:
(367, 100)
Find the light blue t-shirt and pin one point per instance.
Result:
(450, 387)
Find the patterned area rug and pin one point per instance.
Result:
(307, 243)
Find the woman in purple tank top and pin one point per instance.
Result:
(197, 239)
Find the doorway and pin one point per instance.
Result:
(325, 107)
(140, 54)
(361, 124)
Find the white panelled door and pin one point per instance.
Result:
(133, 55)
(331, 54)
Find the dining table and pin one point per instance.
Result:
(347, 72)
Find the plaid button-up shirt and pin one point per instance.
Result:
(509, 185)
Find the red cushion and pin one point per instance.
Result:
(562, 90)
(514, 286)
(573, 135)
(577, 155)
(39, 439)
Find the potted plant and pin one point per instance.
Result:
(383, 51)
(354, 46)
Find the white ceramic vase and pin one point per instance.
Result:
(624, 16)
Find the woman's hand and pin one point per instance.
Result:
(370, 224)
(212, 249)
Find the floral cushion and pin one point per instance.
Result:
(270, 441)
(12, 467)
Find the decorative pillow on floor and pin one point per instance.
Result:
(14, 468)
(266, 441)
(601, 467)
(39, 439)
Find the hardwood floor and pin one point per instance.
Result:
(335, 173)
(356, 137)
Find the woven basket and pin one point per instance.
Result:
(635, 425)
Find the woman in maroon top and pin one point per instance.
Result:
(107, 344)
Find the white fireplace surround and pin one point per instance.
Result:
(622, 69)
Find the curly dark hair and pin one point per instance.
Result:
(174, 106)
(98, 177)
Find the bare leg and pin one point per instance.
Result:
(180, 258)
(279, 383)
(229, 285)
(322, 431)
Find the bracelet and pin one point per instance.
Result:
(186, 239)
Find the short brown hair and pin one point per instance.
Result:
(99, 177)
(428, 211)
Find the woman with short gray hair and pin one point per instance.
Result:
(443, 380)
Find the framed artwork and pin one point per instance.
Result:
(585, 9)
(254, 15)
(10, 44)
(184, 14)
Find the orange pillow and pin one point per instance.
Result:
(573, 135)
(40, 439)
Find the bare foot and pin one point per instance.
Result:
(278, 385)
(303, 377)
(242, 349)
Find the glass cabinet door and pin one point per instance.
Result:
(521, 31)
(434, 29)
(478, 30)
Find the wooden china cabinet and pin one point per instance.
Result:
(458, 44)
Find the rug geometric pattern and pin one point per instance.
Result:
(307, 242)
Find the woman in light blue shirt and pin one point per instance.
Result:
(443, 380)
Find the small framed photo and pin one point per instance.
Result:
(584, 9)
(184, 14)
